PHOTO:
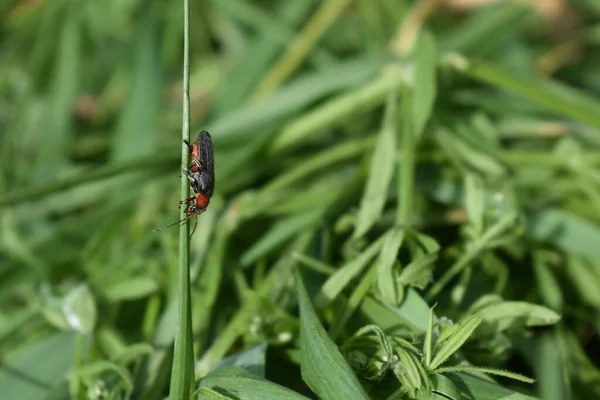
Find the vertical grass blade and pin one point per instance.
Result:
(183, 357)
(380, 175)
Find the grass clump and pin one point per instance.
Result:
(406, 200)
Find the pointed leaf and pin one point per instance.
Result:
(323, 367)
(454, 342)
(386, 279)
(380, 173)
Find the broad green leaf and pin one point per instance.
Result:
(386, 278)
(323, 367)
(131, 289)
(454, 342)
(380, 173)
(237, 383)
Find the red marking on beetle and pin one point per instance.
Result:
(201, 176)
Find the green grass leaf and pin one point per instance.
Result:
(484, 389)
(554, 96)
(334, 285)
(386, 278)
(323, 367)
(131, 289)
(566, 230)
(425, 66)
(240, 384)
(29, 373)
(380, 173)
(283, 231)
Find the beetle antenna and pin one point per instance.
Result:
(174, 223)
(195, 225)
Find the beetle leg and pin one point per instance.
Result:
(188, 200)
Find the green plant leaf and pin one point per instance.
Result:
(131, 289)
(444, 387)
(552, 95)
(407, 371)
(30, 372)
(386, 278)
(380, 173)
(484, 389)
(283, 231)
(334, 285)
(486, 370)
(424, 64)
(252, 360)
(567, 231)
(427, 343)
(322, 366)
(237, 383)
(516, 314)
(456, 340)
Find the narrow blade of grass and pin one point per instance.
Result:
(380, 173)
(554, 96)
(386, 279)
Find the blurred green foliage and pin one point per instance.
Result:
(374, 159)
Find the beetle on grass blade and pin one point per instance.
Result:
(201, 175)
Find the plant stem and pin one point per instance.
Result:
(183, 359)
